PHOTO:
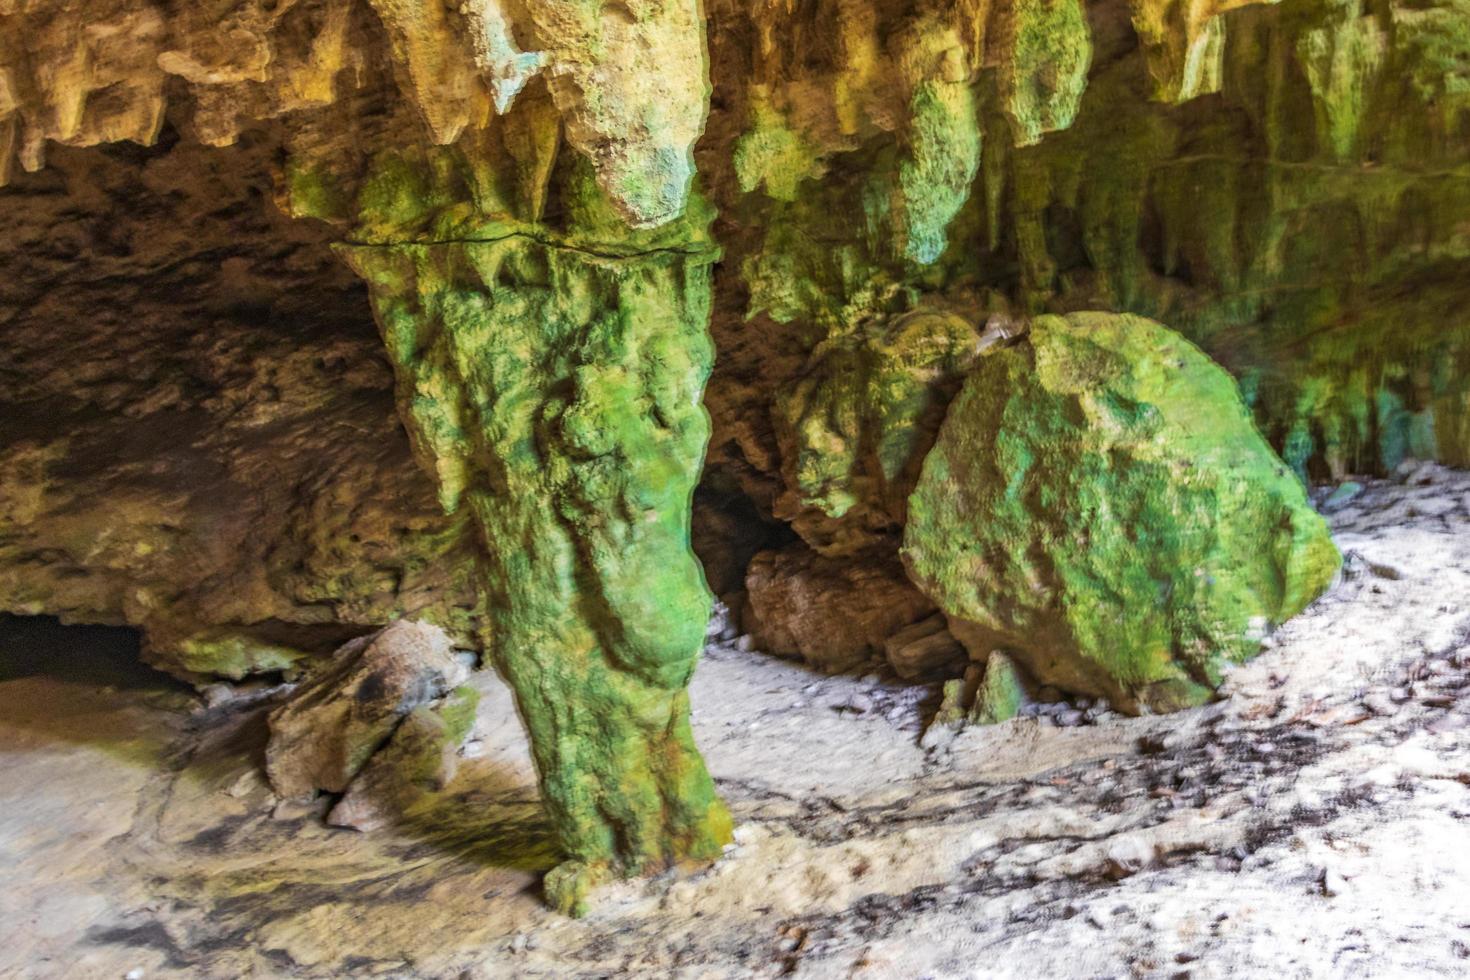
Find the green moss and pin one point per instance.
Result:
(1099, 503)
(1001, 693)
(773, 156)
(853, 430)
(1048, 50)
(555, 391)
(223, 653)
(942, 158)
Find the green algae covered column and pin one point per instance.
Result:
(556, 393)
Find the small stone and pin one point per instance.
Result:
(217, 694)
(1340, 497)
(1128, 855)
(924, 648)
(745, 644)
(1379, 704)
(134, 974)
(1070, 718)
(1424, 474)
(1433, 507)
(1001, 692)
(1384, 570)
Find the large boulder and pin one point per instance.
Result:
(1100, 504)
(420, 760)
(350, 706)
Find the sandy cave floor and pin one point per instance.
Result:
(1315, 824)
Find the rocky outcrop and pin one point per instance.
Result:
(197, 431)
(1099, 504)
(419, 760)
(352, 704)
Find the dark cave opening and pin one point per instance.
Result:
(94, 655)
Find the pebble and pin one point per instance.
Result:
(1379, 704)
(1128, 855)
(1340, 497)
(1448, 723)
(1070, 718)
(745, 644)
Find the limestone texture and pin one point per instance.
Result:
(197, 429)
(1099, 504)
(420, 758)
(924, 649)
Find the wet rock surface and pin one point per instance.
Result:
(1311, 824)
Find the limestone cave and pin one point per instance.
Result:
(656, 488)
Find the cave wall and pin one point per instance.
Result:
(1283, 183)
(197, 419)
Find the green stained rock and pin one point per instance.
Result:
(555, 392)
(854, 429)
(1001, 693)
(1099, 503)
(1046, 52)
(934, 176)
(774, 156)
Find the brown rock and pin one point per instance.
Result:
(833, 613)
(926, 647)
(420, 759)
(344, 712)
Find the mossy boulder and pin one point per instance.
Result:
(1100, 505)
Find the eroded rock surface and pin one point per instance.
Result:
(351, 705)
(833, 614)
(197, 431)
(1198, 841)
(1099, 503)
(515, 184)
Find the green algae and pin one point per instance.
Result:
(934, 176)
(1048, 50)
(1099, 503)
(1001, 693)
(773, 156)
(854, 429)
(555, 392)
(1304, 224)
